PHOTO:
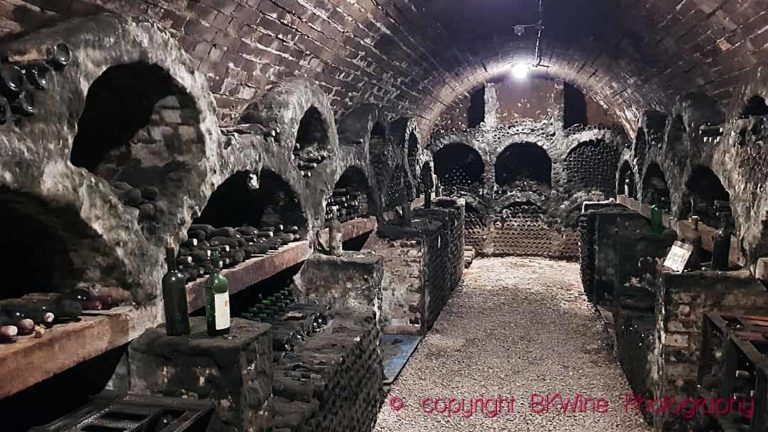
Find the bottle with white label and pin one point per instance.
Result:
(217, 301)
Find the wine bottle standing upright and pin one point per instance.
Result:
(175, 297)
(721, 247)
(217, 301)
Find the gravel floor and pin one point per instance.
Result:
(519, 326)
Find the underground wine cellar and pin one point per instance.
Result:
(353, 216)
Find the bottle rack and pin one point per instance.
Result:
(257, 269)
(734, 363)
(30, 361)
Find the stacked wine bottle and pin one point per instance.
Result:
(348, 204)
(234, 245)
(308, 158)
(33, 313)
(292, 323)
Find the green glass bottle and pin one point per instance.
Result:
(175, 297)
(217, 301)
(656, 219)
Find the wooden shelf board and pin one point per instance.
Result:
(30, 361)
(255, 270)
(685, 229)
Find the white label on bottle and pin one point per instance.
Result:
(678, 256)
(221, 309)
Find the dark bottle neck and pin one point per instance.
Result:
(170, 259)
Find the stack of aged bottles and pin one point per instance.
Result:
(308, 157)
(233, 245)
(291, 322)
(348, 202)
(33, 313)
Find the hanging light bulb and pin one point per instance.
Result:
(520, 71)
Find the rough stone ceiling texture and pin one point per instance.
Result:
(415, 56)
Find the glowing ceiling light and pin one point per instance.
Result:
(520, 70)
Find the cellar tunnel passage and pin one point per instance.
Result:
(351, 198)
(523, 162)
(312, 141)
(243, 199)
(592, 165)
(49, 249)
(655, 188)
(705, 196)
(626, 185)
(459, 166)
(755, 106)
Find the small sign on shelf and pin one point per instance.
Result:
(678, 256)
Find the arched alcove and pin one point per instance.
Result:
(351, 197)
(626, 184)
(50, 249)
(703, 189)
(592, 165)
(243, 199)
(655, 188)
(524, 161)
(139, 131)
(459, 166)
(755, 106)
(312, 141)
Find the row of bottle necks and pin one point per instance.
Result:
(233, 246)
(34, 312)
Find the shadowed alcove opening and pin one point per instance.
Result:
(312, 141)
(244, 200)
(592, 165)
(755, 106)
(655, 188)
(520, 162)
(139, 131)
(705, 196)
(641, 145)
(50, 249)
(626, 185)
(413, 155)
(678, 142)
(351, 198)
(459, 167)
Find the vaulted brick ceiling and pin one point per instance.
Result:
(416, 56)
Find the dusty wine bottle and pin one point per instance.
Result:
(217, 301)
(175, 297)
(721, 244)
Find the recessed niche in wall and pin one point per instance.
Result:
(459, 167)
(139, 131)
(755, 106)
(678, 143)
(655, 188)
(626, 185)
(524, 161)
(592, 165)
(655, 125)
(241, 200)
(312, 142)
(702, 188)
(641, 145)
(50, 249)
(351, 196)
